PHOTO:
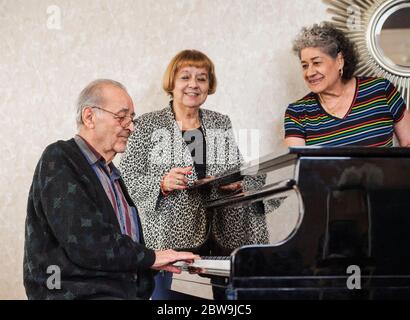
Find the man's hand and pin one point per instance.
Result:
(165, 258)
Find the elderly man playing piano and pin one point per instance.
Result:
(82, 228)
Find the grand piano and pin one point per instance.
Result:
(338, 223)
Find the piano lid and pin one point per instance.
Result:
(355, 151)
(271, 162)
(248, 197)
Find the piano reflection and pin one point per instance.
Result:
(321, 213)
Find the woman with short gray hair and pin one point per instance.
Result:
(342, 109)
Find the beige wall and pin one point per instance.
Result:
(43, 69)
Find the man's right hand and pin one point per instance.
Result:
(165, 258)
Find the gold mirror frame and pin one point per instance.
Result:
(362, 21)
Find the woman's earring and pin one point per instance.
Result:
(341, 72)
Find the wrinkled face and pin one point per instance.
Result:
(109, 133)
(191, 87)
(320, 70)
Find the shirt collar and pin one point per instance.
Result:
(94, 157)
(88, 150)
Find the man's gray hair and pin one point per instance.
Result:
(91, 95)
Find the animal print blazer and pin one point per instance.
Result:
(179, 220)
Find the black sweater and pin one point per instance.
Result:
(71, 224)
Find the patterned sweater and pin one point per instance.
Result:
(377, 105)
(71, 224)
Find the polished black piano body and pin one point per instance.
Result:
(354, 211)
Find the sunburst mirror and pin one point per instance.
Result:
(381, 30)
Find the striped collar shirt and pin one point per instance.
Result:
(109, 177)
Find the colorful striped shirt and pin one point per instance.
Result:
(109, 177)
(377, 105)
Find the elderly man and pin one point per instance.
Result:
(83, 236)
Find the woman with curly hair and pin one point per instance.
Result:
(342, 109)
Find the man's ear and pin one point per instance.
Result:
(88, 117)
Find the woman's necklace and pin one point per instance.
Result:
(186, 123)
(334, 109)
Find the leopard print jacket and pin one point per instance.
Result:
(179, 220)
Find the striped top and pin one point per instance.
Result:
(109, 177)
(377, 105)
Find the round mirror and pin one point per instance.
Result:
(386, 39)
(381, 30)
(394, 37)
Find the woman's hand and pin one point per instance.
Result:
(175, 180)
(204, 180)
(235, 186)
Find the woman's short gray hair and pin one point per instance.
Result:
(332, 41)
(91, 95)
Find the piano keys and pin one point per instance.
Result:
(212, 265)
(325, 210)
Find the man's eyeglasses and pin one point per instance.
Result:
(124, 121)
